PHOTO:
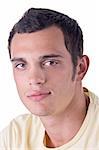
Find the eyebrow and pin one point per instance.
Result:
(50, 56)
(15, 59)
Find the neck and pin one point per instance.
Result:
(61, 128)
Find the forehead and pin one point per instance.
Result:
(49, 40)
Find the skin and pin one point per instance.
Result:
(42, 64)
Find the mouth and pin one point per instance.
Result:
(38, 96)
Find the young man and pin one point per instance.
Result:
(46, 51)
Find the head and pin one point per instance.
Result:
(46, 49)
(38, 19)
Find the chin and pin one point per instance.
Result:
(40, 114)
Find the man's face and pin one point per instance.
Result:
(43, 71)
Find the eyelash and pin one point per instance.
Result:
(44, 64)
(20, 65)
(52, 63)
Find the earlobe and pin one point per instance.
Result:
(82, 68)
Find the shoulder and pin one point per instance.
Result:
(24, 119)
(20, 122)
(94, 99)
(93, 110)
(19, 128)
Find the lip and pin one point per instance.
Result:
(38, 95)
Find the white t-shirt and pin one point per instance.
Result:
(27, 132)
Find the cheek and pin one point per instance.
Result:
(63, 84)
(20, 83)
(61, 78)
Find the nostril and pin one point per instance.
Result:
(49, 92)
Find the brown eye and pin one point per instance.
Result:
(50, 63)
(20, 66)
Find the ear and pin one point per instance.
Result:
(82, 67)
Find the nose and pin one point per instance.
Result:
(36, 76)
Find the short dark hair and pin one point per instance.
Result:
(35, 19)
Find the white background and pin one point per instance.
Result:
(87, 15)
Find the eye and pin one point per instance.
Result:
(20, 66)
(50, 63)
